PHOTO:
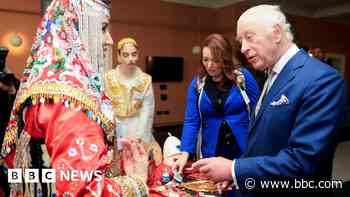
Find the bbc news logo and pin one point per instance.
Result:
(49, 175)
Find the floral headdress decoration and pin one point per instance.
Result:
(64, 65)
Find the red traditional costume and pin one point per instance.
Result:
(57, 113)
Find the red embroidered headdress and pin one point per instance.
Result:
(65, 64)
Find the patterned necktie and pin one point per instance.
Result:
(266, 88)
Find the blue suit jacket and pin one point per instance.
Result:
(298, 139)
(235, 113)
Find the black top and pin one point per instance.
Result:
(217, 94)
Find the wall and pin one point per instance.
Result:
(332, 38)
(19, 18)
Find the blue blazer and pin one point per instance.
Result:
(295, 139)
(235, 113)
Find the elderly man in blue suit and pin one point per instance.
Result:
(293, 131)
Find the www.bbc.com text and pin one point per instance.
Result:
(250, 184)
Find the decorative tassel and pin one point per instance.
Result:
(116, 161)
(22, 160)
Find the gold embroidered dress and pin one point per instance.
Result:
(133, 103)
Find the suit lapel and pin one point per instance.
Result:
(286, 75)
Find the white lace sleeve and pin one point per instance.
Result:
(147, 115)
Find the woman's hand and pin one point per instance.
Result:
(178, 161)
(134, 158)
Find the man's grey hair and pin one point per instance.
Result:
(269, 15)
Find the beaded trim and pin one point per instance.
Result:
(71, 98)
(132, 186)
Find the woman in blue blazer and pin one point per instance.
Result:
(219, 101)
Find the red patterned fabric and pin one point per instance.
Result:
(73, 142)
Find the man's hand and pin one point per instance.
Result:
(217, 169)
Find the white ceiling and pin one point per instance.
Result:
(332, 10)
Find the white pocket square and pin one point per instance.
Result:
(282, 101)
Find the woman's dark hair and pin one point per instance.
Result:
(221, 50)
